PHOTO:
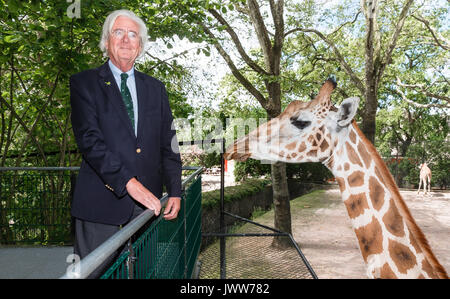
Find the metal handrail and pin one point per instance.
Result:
(82, 269)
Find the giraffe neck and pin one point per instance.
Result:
(391, 243)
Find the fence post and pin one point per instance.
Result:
(222, 215)
(73, 180)
(131, 260)
(185, 235)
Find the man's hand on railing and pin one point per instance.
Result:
(141, 194)
(172, 208)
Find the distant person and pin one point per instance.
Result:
(122, 124)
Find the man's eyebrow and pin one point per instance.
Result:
(122, 29)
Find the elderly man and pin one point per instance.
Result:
(122, 124)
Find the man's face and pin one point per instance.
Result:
(124, 43)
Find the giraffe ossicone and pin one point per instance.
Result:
(391, 243)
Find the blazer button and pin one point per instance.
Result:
(138, 150)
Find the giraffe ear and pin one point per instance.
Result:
(347, 111)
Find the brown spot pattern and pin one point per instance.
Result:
(403, 258)
(341, 183)
(322, 128)
(376, 193)
(356, 204)
(330, 162)
(370, 238)
(302, 147)
(387, 273)
(379, 176)
(356, 179)
(352, 136)
(364, 154)
(393, 220)
(312, 153)
(352, 155)
(318, 136)
(324, 145)
(291, 146)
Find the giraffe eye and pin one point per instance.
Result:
(301, 124)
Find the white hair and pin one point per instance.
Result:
(109, 22)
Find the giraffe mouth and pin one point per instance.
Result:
(239, 151)
(236, 156)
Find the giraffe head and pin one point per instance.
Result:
(304, 132)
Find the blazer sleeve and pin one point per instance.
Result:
(170, 154)
(90, 139)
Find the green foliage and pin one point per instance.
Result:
(206, 160)
(304, 172)
(211, 199)
(41, 46)
(408, 136)
(250, 168)
(309, 172)
(307, 61)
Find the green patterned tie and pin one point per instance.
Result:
(126, 95)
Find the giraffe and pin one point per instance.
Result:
(425, 177)
(391, 243)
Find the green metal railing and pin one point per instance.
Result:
(155, 247)
(166, 249)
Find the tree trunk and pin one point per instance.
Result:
(271, 45)
(282, 208)
(370, 112)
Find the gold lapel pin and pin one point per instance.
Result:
(108, 83)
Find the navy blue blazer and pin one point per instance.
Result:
(112, 154)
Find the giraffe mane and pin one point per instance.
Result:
(401, 206)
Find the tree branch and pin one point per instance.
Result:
(423, 91)
(339, 57)
(244, 81)
(261, 32)
(445, 44)
(277, 15)
(344, 24)
(358, 83)
(394, 38)
(165, 61)
(372, 42)
(238, 43)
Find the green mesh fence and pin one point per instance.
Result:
(35, 206)
(165, 249)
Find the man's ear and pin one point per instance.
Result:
(347, 111)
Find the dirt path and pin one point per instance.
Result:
(323, 230)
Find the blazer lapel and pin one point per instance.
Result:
(109, 87)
